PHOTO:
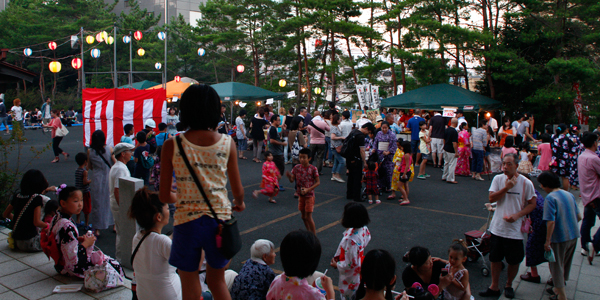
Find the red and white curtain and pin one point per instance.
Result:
(111, 109)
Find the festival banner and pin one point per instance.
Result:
(111, 109)
(360, 93)
(375, 101)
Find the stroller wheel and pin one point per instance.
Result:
(485, 271)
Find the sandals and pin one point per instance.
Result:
(55, 161)
(243, 157)
(390, 197)
(404, 202)
(255, 194)
(273, 201)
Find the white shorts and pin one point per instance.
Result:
(437, 145)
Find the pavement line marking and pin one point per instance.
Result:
(438, 211)
(284, 217)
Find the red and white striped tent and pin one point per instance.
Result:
(111, 109)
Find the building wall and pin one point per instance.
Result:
(188, 8)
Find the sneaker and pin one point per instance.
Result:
(427, 175)
(340, 180)
(422, 177)
(377, 201)
(370, 201)
(584, 252)
(333, 179)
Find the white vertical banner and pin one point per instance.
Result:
(148, 110)
(360, 93)
(400, 89)
(367, 96)
(375, 97)
(128, 108)
(110, 104)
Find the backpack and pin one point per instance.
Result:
(147, 160)
(348, 146)
(151, 140)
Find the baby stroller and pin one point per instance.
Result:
(478, 243)
(372, 158)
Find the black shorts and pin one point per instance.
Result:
(510, 249)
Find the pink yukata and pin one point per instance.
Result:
(289, 288)
(270, 183)
(349, 257)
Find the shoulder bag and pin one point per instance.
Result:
(62, 131)
(11, 240)
(526, 223)
(228, 235)
(316, 127)
(133, 283)
(104, 159)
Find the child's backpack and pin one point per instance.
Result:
(147, 160)
(151, 140)
(348, 146)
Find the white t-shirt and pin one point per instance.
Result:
(512, 203)
(47, 112)
(18, 111)
(39, 114)
(155, 278)
(346, 127)
(118, 170)
(493, 123)
(423, 145)
(239, 123)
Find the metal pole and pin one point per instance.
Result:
(115, 53)
(82, 63)
(166, 38)
(130, 63)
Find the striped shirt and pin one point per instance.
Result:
(560, 207)
(79, 181)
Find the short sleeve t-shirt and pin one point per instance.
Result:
(409, 276)
(523, 128)
(359, 141)
(18, 111)
(305, 178)
(511, 203)
(239, 123)
(295, 123)
(450, 136)
(413, 124)
(25, 228)
(118, 170)
(479, 139)
(423, 144)
(257, 128)
(560, 207)
(274, 135)
(438, 125)
(161, 138)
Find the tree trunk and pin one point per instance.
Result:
(324, 60)
(42, 84)
(216, 74)
(299, 58)
(333, 70)
(308, 86)
(402, 68)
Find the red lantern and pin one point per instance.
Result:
(177, 78)
(318, 43)
(52, 45)
(241, 68)
(76, 63)
(137, 35)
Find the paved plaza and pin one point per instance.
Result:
(438, 213)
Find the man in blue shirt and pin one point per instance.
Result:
(413, 125)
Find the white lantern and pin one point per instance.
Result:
(201, 51)
(157, 66)
(162, 36)
(95, 53)
(126, 39)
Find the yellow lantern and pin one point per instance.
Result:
(317, 90)
(109, 40)
(54, 66)
(99, 37)
(89, 39)
(141, 52)
(282, 83)
(104, 35)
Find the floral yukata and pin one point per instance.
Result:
(270, 183)
(579, 148)
(396, 176)
(464, 154)
(349, 257)
(289, 288)
(74, 258)
(562, 150)
(386, 168)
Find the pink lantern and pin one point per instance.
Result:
(241, 68)
(76, 63)
(52, 45)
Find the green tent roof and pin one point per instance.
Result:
(230, 91)
(141, 85)
(438, 95)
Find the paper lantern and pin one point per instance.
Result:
(104, 35)
(303, 90)
(241, 68)
(282, 83)
(110, 40)
(99, 37)
(257, 103)
(27, 51)
(162, 36)
(76, 63)
(141, 52)
(317, 90)
(201, 51)
(157, 66)
(89, 39)
(54, 66)
(52, 45)
(126, 39)
(177, 78)
(318, 43)
(95, 53)
(137, 35)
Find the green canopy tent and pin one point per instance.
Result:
(231, 91)
(438, 95)
(141, 85)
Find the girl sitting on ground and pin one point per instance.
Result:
(459, 288)
(76, 253)
(351, 250)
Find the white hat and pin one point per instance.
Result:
(150, 123)
(120, 147)
(378, 118)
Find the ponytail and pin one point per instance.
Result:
(144, 206)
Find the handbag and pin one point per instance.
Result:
(10, 239)
(526, 223)
(133, 283)
(61, 131)
(102, 277)
(227, 237)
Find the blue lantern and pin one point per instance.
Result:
(162, 36)
(157, 66)
(126, 39)
(201, 51)
(27, 51)
(95, 53)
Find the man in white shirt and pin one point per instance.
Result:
(461, 118)
(46, 109)
(515, 198)
(492, 122)
(119, 170)
(362, 121)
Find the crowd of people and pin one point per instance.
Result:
(198, 142)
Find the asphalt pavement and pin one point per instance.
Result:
(439, 212)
